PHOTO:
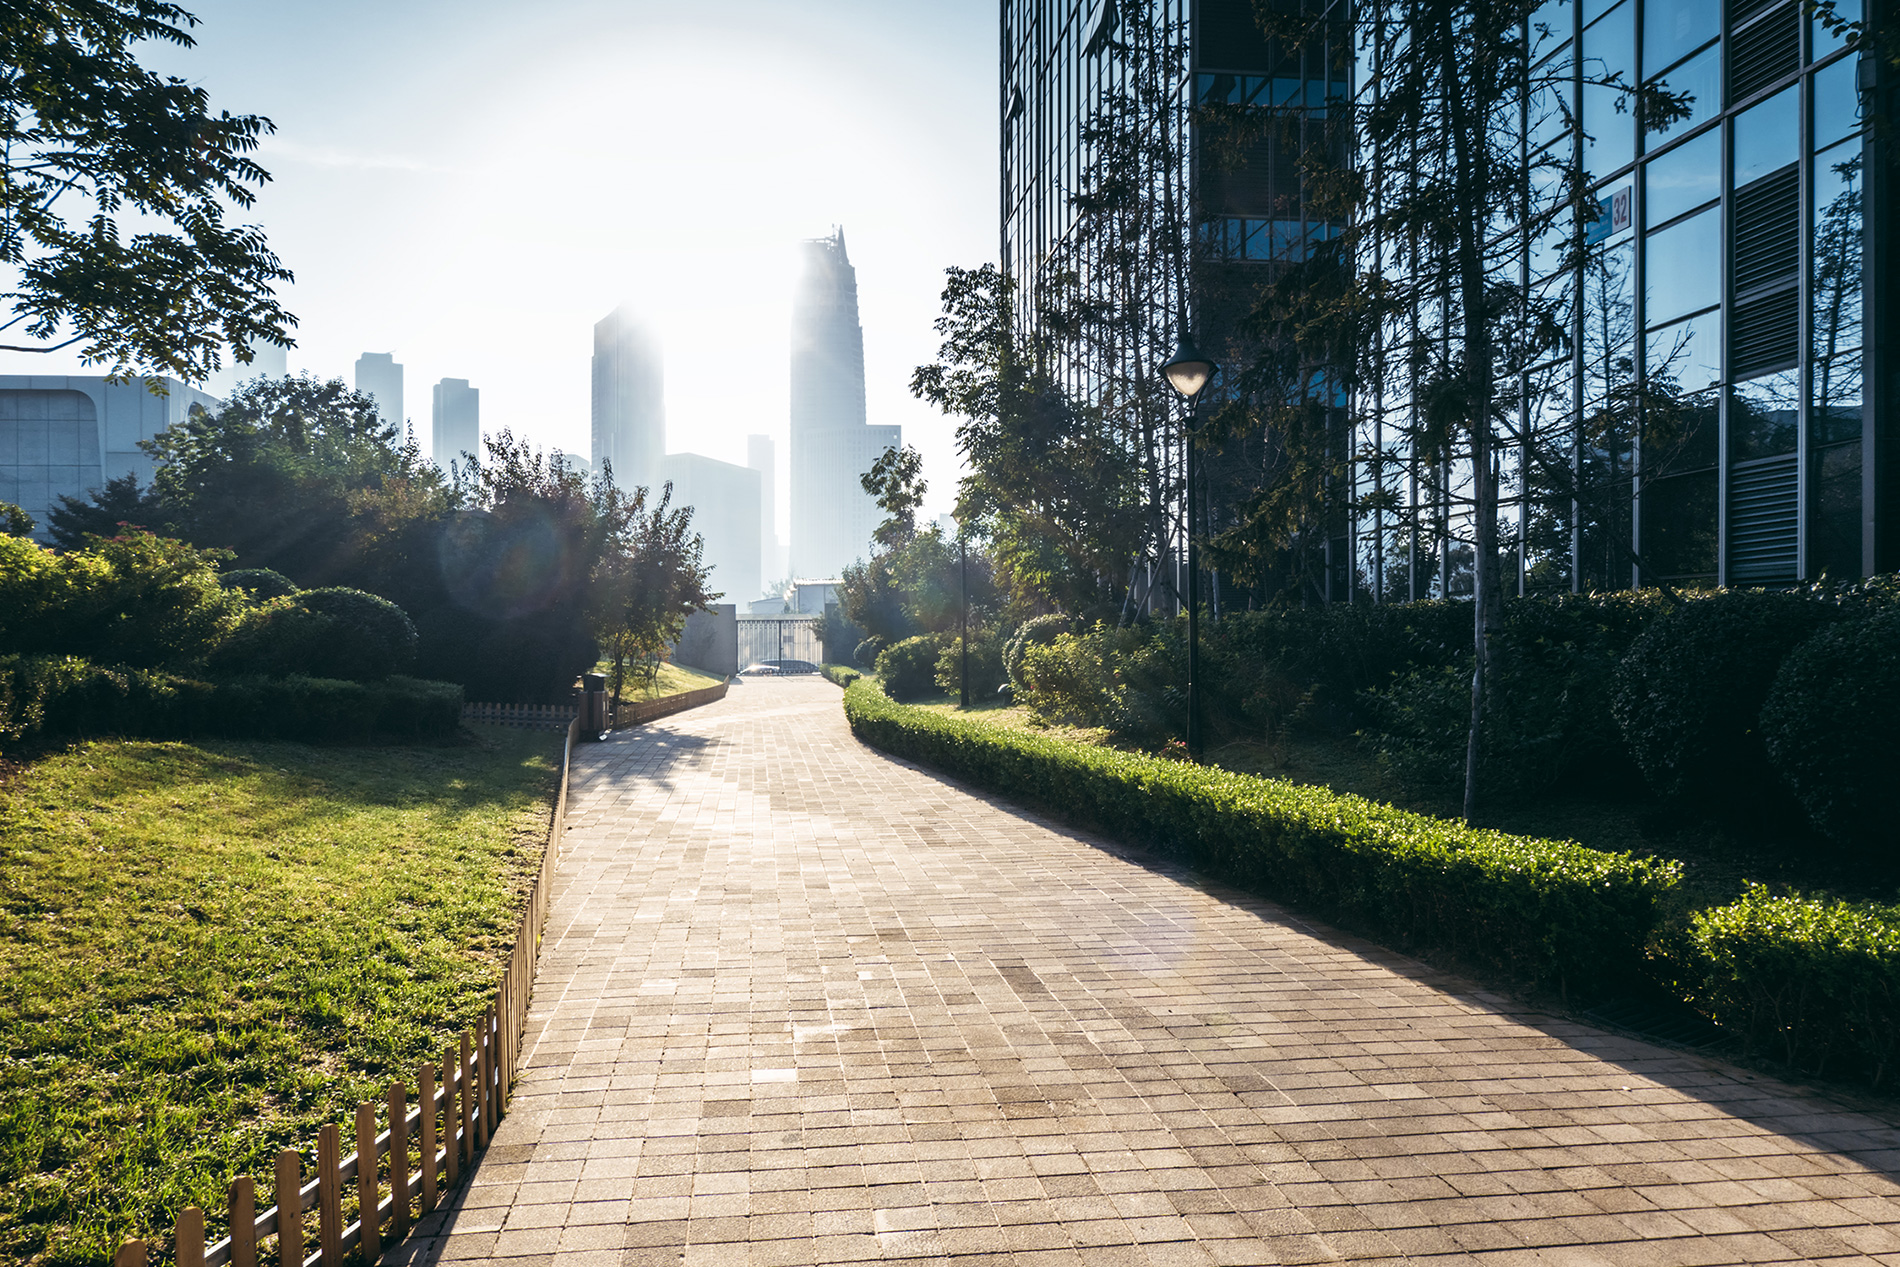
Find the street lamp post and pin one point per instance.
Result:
(1188, 372)
(963, 642)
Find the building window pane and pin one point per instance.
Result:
(1554, 22)
(1680, 432)
(1552, 105)
(1685, 357)
(1683, 179)
(1699, 80)
(1834, 547)
(1836, 385)
(1609, 122)
(1683, 267)
(1826, 42)
(1767, 136)
(1673, 28)
(1763, 415)
(1836, 250)
(1836, 102)
(1679, 537)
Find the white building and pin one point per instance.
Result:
(378, 375)
(725, 501)
(69, 434)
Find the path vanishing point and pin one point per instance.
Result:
(802, 1003)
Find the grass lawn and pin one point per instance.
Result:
(1718, 862)
(211, 949)
(673, 679)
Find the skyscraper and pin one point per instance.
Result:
(832, 515)
(725, 502)
(629, 399)
(378, 375)
(457, 419)
(761, 454)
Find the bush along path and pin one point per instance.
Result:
(1808, 981)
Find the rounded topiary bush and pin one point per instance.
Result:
(986, 666)
(263, 583)
(366, 637)
(1831, 724)
(1038, 631)
(1688, 696)
(865, 656)
(908, 669)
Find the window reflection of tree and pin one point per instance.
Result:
(1834, 420)
(1837, 263)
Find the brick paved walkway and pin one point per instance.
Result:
(800, 1003)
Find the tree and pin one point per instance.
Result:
(90, 136)
(120, 502)
(15, 522)
(1416, 303)
(648, 584)
(1053, 491)
(896, 481)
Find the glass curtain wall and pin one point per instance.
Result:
(1704, 423)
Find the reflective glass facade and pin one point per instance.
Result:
(1714, 415)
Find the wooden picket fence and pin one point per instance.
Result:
(457, 1107)
(522, 716)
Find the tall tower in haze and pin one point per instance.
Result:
(378, 375)
(456, 418)
(762, 456)
(832, 515)
(629, 400)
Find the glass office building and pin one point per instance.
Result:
(1717, 412)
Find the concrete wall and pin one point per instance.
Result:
(710, 641)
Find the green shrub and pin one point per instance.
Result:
(908, 669)
(261, 582)
(1688, 696)
(842, 674)
(63, 697)
(1547, 717)
(1037, 631)
(1831, 724)
(865, 657)
(986, 667)
(1546, 910)
(1813, 983)
(366, 637)
(136, 599)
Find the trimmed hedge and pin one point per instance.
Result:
(842, 674)
(908, 669)
(1811, 982)
(64, 697)
(1539, 909)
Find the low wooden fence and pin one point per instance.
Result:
(643, 711)
(457, 1107)
(522, 716)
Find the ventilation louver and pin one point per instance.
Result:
(1765, 334)
(1763, 53)
(1768, 231)
(1763, 521)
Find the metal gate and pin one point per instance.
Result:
(764, 639)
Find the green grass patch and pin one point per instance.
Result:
(672, 679)
(211, 949)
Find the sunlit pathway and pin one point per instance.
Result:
(800, 1003)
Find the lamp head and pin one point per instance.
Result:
(1188, 371)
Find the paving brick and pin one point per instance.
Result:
(802, 1003)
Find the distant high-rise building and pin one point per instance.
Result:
(832, 515)
(629, 400)
(725, 501)
(378, 375)
(267, 361)
(457, 421)
(761, 454)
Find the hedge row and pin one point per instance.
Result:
(1812, 982)
(1549, 911)
(842, 674)
(64, 697)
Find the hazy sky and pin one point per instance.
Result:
(471, 185)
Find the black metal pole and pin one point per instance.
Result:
(1194, 601)
(963, 670)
